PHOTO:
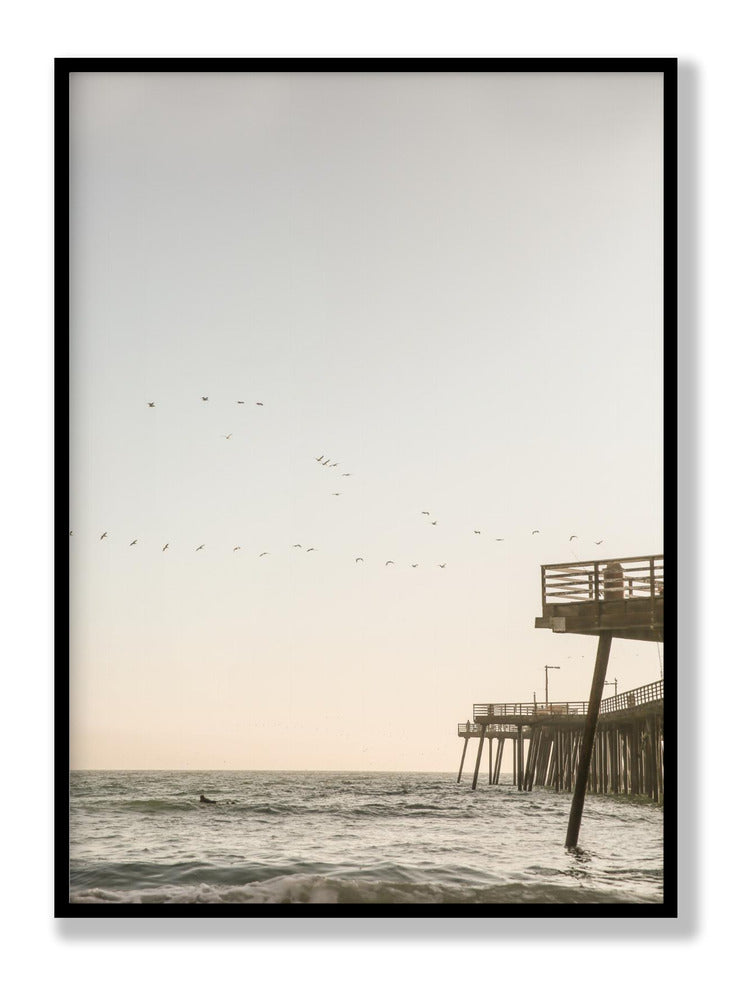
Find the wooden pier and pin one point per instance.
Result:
(615, 745)
(469, 730)
(627, 757)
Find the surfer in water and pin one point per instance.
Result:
(211, 802)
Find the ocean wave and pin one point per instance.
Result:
(359, 808)
(311, 889)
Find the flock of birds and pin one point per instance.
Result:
(328, 463)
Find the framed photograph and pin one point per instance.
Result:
(361, 473)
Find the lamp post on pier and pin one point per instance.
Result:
(547, 668)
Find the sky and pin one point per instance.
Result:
(448, 284)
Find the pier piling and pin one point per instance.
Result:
(585, 755)
(479, 756)
(463, 754)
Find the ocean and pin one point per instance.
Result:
(351, 837)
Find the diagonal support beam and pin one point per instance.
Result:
(463, 754)
(590, 725)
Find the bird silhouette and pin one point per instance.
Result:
(132, 543)
(442, 565)
(499, 539)
(326, 461)
(204, 398)
(310, 550)
(199, 547)
(240, 401)
(297, 546)
(104, 535)
(572, 537)
(165, 547)
(228, 436)
(333, 465)
(414, 565)
(358, 559)
(535, 532)
(320, 459)
(600, 541)
(477, 532)
(335, 494)
(263, 554)
(259, 404)
(345, 473)
(237, 548)
(425, 512)
(71, 533)
(434, 522)
(389, 563)
(152, 404)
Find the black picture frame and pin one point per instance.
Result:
(63, 69)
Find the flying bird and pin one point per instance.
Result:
(477, 532)
(326, 461)
(425, 512)
(499, 539)
(358, 559)
(204, 398)
(228, 436)
(442, 565)
(434, 522)
(199, 547)
(333, 465)
(320, 459)
(104, 535)
(535, 532)
(389, 563)
(414, 565)
(152, 404)
(165, 547)
(345, 473)
(335, 494)
(132, 543)
(71, 533)
(237, 548)
(259, 404)
(263, 554)
(298, 546)
(240, 401)
(572, 537)
(310, 550)
(600, 541)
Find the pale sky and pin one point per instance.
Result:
(451, 285)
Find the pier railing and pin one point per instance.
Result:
(474, 729)
(603, 580)
(529, 708)
(645, 695)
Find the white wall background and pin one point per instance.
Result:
(187, 958)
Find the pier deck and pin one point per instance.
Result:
(623, 597)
